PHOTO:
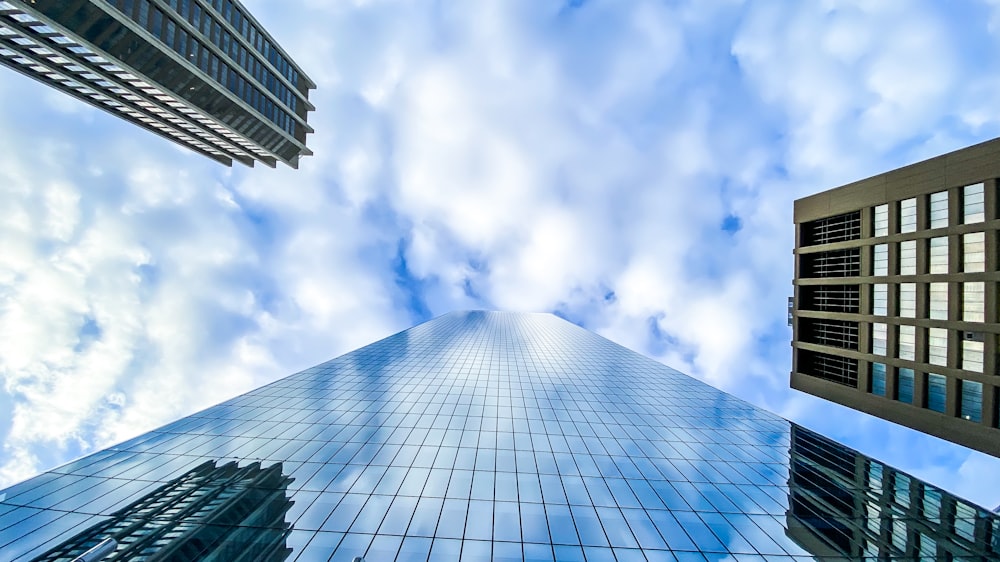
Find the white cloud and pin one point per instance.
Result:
(512, 154)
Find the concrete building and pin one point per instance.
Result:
(486, 436)
(202, 73)
(895, 306)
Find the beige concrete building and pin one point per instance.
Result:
(895, 306)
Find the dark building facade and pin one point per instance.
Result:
(487, 436)
(202, 73)
(895, 306)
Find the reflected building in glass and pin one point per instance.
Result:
(895, 310)
(487, 436)
(202, 73)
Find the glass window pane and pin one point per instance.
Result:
(880, 299)
(938, 295)
(939, 209)
(879, 338)
(908, 300)
(878, 379)
(904, 385)
(972, 355)
(938, 252)
(936, 392)
(908, 215)
(880, 259)
(974, 205)
(937, 346)
(973, 305)
(907, 342)
(972, 400)
(974, 252)
(882, 220)
(908, 257)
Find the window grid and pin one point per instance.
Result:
(880, 338)
(973, 301)
(974, 252)
(881, 217)
(908, 257)
(907, 342)
(971, 401)
(973, 203)
(908, 300)
(937, 346)
(938, 209)
(908, 215)
(936, 392)
(938, 253)
(938, 296)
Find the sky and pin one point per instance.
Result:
(629, 165)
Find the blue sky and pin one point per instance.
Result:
(629, 165)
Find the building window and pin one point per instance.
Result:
(878, 379)
(974, 252)
(908, 215)
(882, 220)
(972, 401)
(939, 209)
(904, 385)
(972, 355)
(879, 338)
(908, 300)
(880, 299)
(907, 342)
(938, 293)
(937, 346)
(908, 257)
(973, 204)
(938, 251)
(880, 259)
(973, 301)
(936, 392)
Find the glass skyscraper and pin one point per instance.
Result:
(202, 73)
(485, 435)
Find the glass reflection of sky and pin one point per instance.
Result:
(504, 436)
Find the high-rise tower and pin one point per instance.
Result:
(895, 310)
(487, 436)
(202, 73)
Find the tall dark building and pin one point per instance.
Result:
(895, 306)
(487, 436)
(202, 73)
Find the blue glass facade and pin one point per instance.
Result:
(480, 436)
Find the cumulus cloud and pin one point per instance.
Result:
(630, 166)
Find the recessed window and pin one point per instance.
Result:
(974, 252)
(973, 301)
(973, 203)
(936, 392)
(972, 401)
(904, 385)
(938, 295)
(937, 346)
(882, 220)
(908, 300)
(908, 257)
(908, 215)
(879, 338)
(972, 355)
(880, 299)
(878, 379)
(938, 252)
(907, 342)
(939, 209)
(880, 259)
